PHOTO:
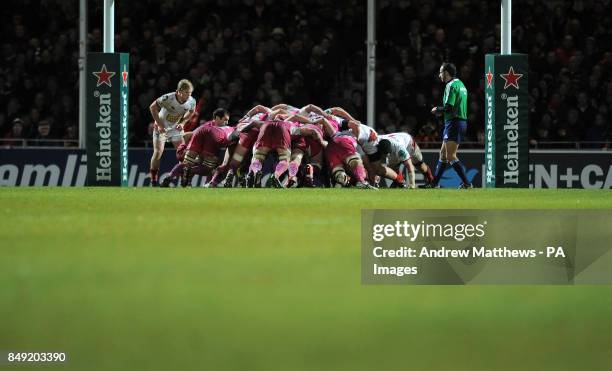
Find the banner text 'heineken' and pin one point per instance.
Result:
(107, 119)
(506, 120)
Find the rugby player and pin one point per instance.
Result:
(275, 135)
(247, 136)
(368, 139)
(341, 151)
(401, 148)
(177, 170)
(170, 112)
(206, 143)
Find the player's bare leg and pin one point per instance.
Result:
(175, 172)
(158, 150)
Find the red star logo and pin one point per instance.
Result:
(124, 76)
(489, 76)
(104, 76)
(511, 78)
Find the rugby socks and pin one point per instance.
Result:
(311, 170)
(281, 167)
(400, 177)
(219, 172)
(440, 167)
(428, 175)
(154, 175)
(293, 169)
(459, 169)
(176, 170)
(311, 173)
(360, 173)
(200, 170)
(234, 164)
(255, 166)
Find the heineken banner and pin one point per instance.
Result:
(68, 168)
(107, 119)
(506, 120)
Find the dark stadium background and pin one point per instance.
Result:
(244, 52)
(147, 278)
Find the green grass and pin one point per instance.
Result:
(173, 279)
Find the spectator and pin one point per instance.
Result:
(255, 53)
(71, 136)
(15, 133)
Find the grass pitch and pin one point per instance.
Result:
(215, 279)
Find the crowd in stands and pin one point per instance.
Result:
(239, 53)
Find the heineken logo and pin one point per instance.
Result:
(103, 76)
(103, 125)
(124, 76)
(511, 78)
(489, 76)
(490, 140)
(511, 130)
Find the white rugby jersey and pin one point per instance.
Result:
(402, 147)
(337, 119)
(261, 116)
(368, 139)
(171, 110)
(312, 116)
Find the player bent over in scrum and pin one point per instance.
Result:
(368, 139)
(247, 137)
(177, 170)
(308, 146)
(330, 125)
(205, 144)
(341, 151)
(306, 143)
(275, 135)
(402, 149)
(170, 112)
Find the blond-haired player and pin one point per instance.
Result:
(170, 112)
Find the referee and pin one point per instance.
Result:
(454, 109)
